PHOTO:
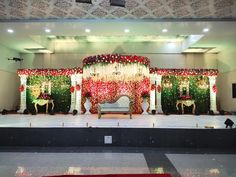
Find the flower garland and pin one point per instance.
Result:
(49, 72)
(125, 59)
(184, 72)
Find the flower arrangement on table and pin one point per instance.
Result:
(186, 97)
(44, 96)
(145, 94)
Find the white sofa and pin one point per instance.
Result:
(122, 105)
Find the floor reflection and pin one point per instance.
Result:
(204, 165)
(43, 164)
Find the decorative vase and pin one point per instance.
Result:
(145, 106)
(87, 106)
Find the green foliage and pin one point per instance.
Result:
(169, 96)
(60, 92)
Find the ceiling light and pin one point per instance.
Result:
(126, 30)
(84, 1)
(165, 30)
(10, 30)
(87, 30)
(205, 30)
(120, 3)
(47, 30)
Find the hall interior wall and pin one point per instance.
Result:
(9, 82)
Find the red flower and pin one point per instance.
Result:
(214, 88)
(44, 96)
(145, 94)
(87, 95)
(77, 87)
(153, 87)
(72, 89)
(186, 97)
(159, 88)
(22, 88)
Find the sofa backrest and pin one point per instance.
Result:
(123, 101)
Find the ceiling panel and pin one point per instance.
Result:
(101, 9)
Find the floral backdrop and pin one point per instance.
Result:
(198, 90)
(60, 92)
(110, 91)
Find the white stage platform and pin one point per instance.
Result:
(115, 121)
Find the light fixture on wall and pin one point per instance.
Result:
(15, 59)
(202, 82)
(116, 72)
(94, 73)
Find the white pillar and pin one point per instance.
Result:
(78, 93)
(212, 81)
(23, 82)
(73, 84)
(152, 93)
(158, 94)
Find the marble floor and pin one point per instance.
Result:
(36, 162)
(115, 120)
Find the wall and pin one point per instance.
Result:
(227, 68)
(9, 90)
(62, 60)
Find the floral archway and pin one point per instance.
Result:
(107, 77)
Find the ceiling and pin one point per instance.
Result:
(144, 18)
(135, 9)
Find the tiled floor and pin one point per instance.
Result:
(115, 120)
(212, 165)
(36, 162)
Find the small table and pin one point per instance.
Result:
(186, 103)
(42, 102)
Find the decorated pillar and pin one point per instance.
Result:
(72, 91)
(23, 82)
(78, 92)
(213, 90)
(152, 93)
(158, 93)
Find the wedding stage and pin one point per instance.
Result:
(172, 121)
(117, 130)
(103, 80)
(116, 175)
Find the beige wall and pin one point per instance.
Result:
(224, 84)
(9, 92)
(227, 76)
(62, 60)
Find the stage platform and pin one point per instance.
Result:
(116, 121)
(190, 131)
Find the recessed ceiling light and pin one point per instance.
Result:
(126, 30)
(205, 30)
(10, 30)
(47, 30)
(87, 30)
(165, 30)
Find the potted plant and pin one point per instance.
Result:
(87, 104)
(145, 95)
(87, 95)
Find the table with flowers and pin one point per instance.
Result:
(186, 101)
(43, 99)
